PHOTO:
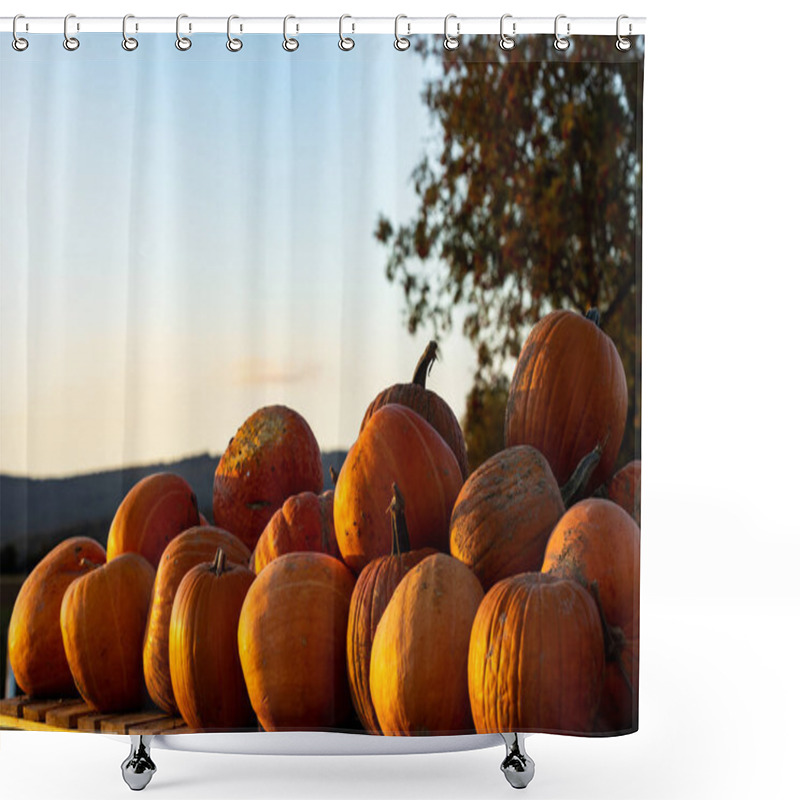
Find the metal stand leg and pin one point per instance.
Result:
(138, 768)
(518, 766)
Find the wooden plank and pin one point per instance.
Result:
(155, 727)
(92, 722)
(67, 715)
(17, 724)
(122, 723)
(12, 706)
(37, 711)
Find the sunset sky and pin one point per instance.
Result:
(188, 236)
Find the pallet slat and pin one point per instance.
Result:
(67, 716)
(92, 722)
(72, 713)
(12, 706)
(165, 726)
(19, 724)
(37, 711)
(123, 722)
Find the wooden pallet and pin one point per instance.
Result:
(73, 714)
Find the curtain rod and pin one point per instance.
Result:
(456, 25)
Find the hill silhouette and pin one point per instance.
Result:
(36, 514)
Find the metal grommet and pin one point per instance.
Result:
(400, 42)
(18, 43)
(345, 42)
(289, 44)
(182, 42)
(128, 42)
(507, 42)
(451, 42)
(561, 42)
(623, 44)
(234, 45)
(70, 42)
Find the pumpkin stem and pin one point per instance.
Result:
(219, 562)
(425, 364)
(613, 638)
(86, 564)
(397, 508)
(593, 315)
(572, 490)
(334, 475)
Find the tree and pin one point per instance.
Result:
(483, 420)
(531, 202)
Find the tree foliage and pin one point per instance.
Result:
(530, 200)
(483, 420)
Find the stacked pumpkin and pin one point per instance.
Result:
(79, 621)
(413, 599)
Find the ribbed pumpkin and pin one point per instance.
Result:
(192, 547)
(568, 394)
(374, 588)
(504, 515)
(204, 662)
(429, 405)
(396, 446)
(596, 543)
(625, 489)
(35, 648)
(303, 523)
(535, 657)
(273, 456)
(154, 512)
(103, 621)
(418, 668)
(293, 642)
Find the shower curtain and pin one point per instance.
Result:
(320, 383)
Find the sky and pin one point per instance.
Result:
(186, 237)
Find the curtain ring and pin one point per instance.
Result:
(18, 43)
(561, 42)
(451, 42)
(70, 42)
(507, 42)
(181, 42)
(623, 44)
(400, 42)
(233, 44)
(345, 42)
(289, 44)
(128, 42)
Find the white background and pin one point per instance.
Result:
(720, 527)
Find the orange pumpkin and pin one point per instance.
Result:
(535, 657)
(293, 642)
(374, 588)
(396, 446)
(504, 515)
(427, 404)
(192, 547)
(625, 489)
(304, 522)
(35, 648)
(273, 456)
(596, 543)
(103, 621)
(418, 667)
(154, 512)
(568, 394)
(204, 662)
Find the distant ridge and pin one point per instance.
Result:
(37, 513)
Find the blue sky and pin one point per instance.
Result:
(187, 236)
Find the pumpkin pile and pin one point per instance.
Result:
(415, 598)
